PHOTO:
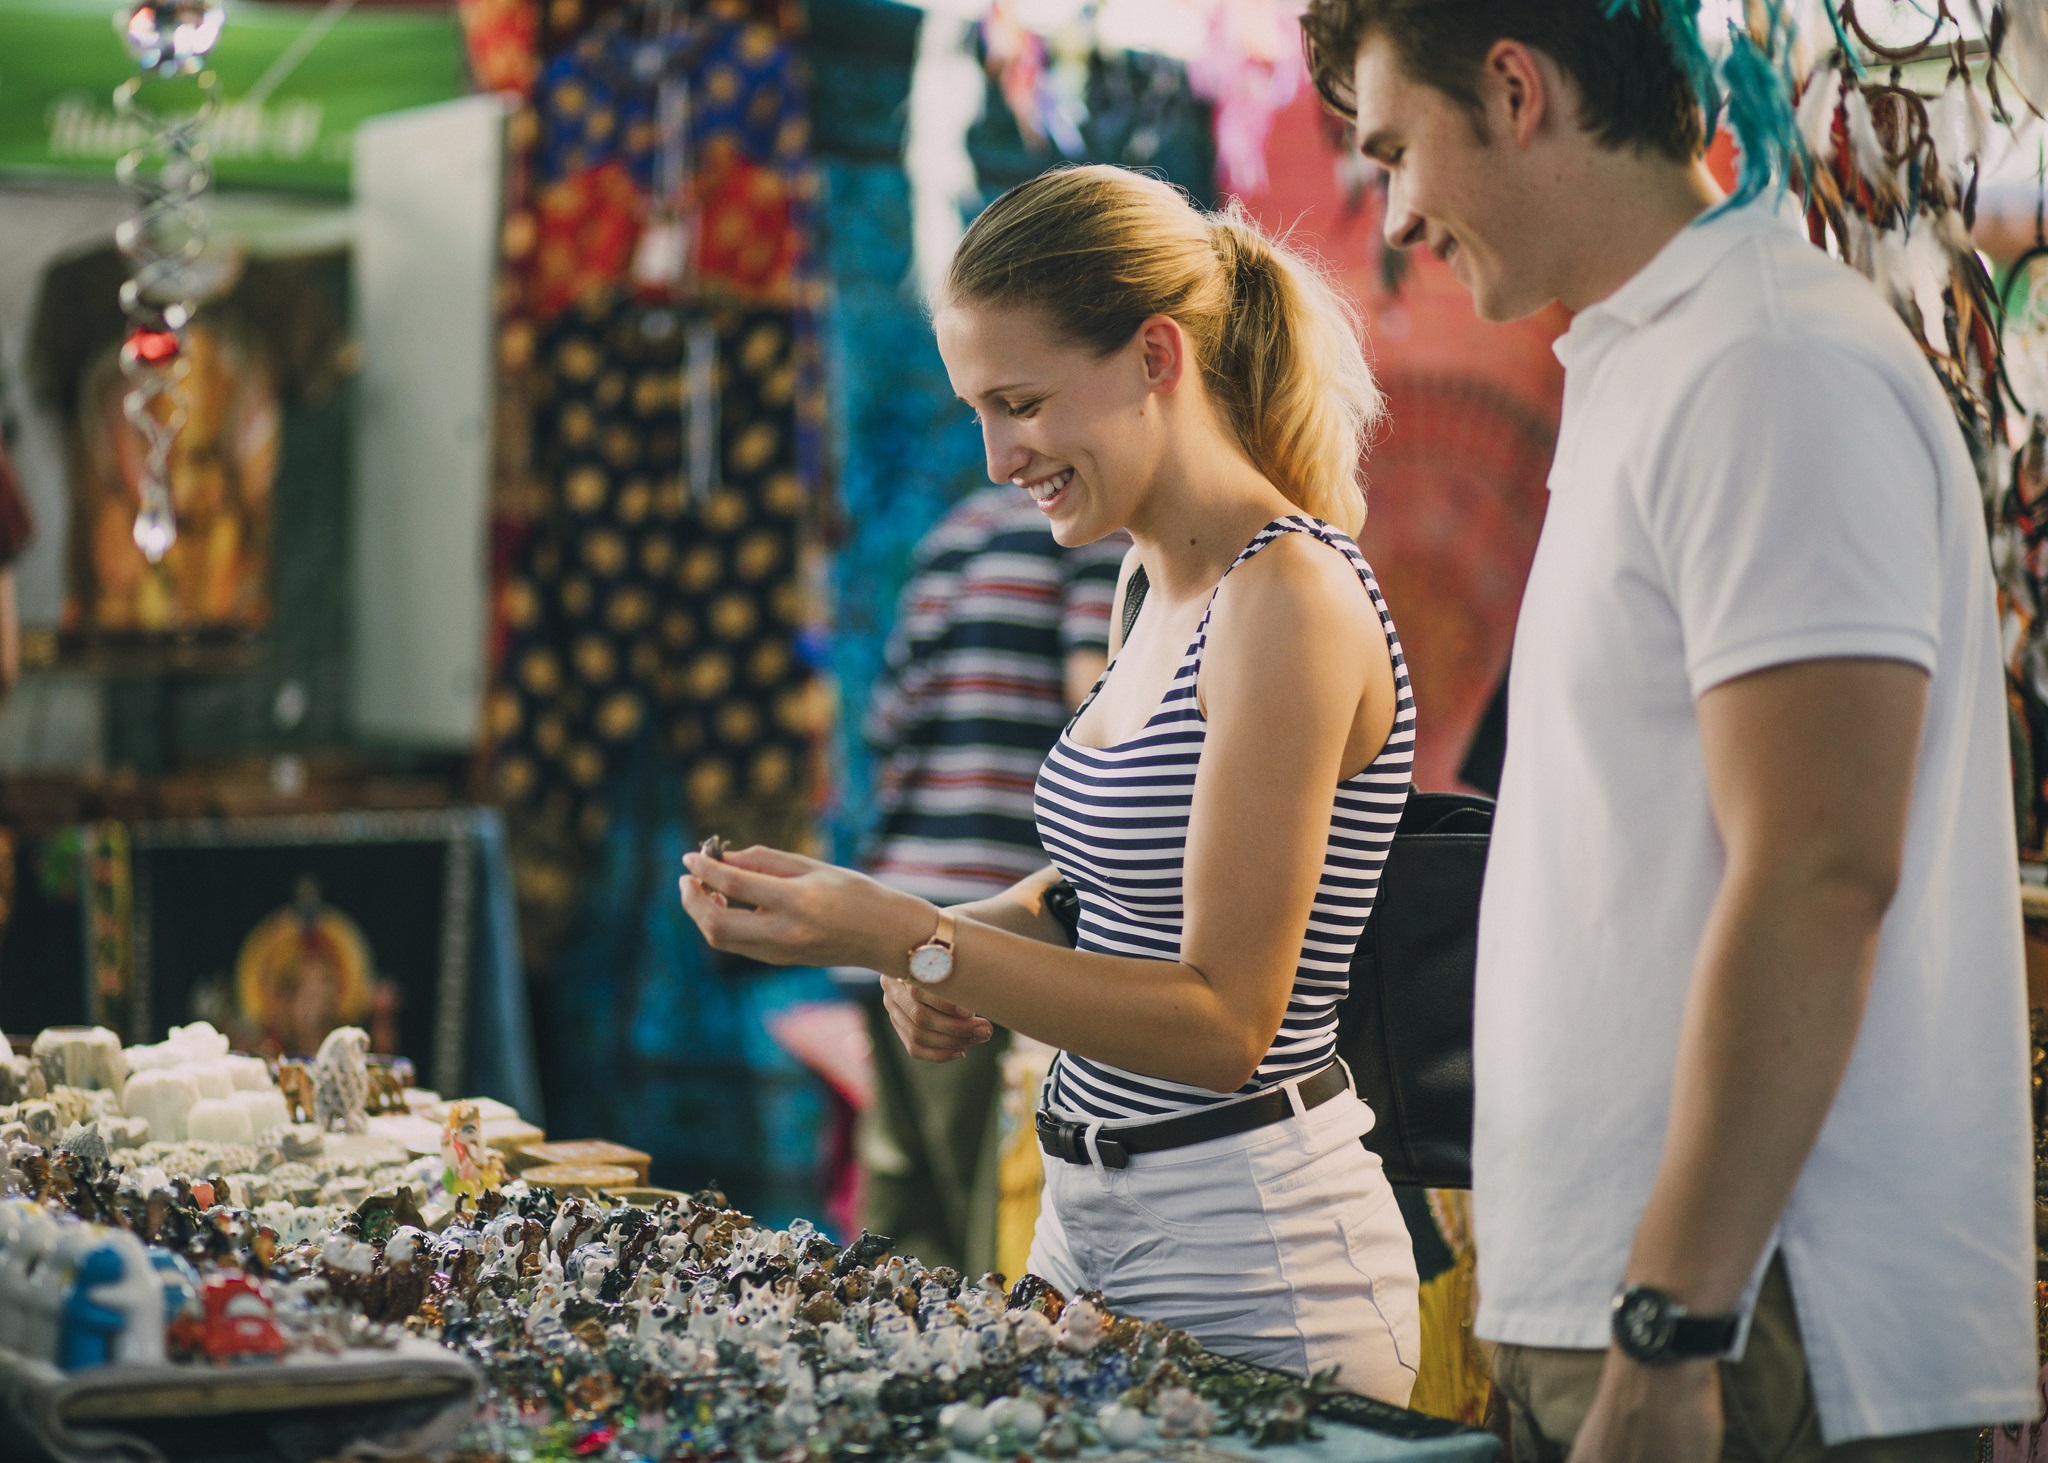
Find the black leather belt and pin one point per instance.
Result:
(1114, 1146)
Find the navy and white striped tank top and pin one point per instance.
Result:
(1115, 822)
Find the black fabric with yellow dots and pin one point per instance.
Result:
(639, 617)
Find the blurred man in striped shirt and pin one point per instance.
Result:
(999, 635)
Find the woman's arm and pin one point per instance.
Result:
(1292, 646)
(1020, 909)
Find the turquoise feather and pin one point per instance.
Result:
(1842, 36)
(1760, 114)
(1752, 87)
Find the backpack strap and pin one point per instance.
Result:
(1134, 599)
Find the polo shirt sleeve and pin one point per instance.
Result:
(1088, 584)
(1794, 509)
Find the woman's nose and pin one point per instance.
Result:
(1006, 456)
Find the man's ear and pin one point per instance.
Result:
(1163, 350)
(1517, 90)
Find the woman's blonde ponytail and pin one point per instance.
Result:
(1100, 250)
(1290, 374)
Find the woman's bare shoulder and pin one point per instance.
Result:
(1294, 579)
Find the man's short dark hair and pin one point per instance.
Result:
(1633, 93)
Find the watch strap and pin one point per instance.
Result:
(1698, 1336)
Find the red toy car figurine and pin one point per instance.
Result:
(239, 1323)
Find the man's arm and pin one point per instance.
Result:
(1810, 774)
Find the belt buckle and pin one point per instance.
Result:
(1069, 1141)
(1061, 1138)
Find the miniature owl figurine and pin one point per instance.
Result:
(341, 1081)
(469, 1165)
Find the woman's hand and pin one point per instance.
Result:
(811, 913)
(931, 1029)
(804, 912)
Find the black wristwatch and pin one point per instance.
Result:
(1652, 1328)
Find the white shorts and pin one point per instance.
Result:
(1281, 1246)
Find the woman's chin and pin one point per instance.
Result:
(1072, 528)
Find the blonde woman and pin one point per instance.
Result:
(1221, 802)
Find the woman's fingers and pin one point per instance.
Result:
(932, 1030)
(765, 891)
(775, 861)
(978, 1028)
(758, 934)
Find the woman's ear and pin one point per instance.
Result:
(1163, 350)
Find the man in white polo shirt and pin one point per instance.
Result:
(1751, 1032)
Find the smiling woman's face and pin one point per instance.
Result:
(1079, 432)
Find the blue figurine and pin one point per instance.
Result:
(114, 1308)
(88, 1328)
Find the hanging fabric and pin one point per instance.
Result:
(653, 603)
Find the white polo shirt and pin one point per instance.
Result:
(1756, 467)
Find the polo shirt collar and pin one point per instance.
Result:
(1674, 272)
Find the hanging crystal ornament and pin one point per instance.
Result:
(169, 174)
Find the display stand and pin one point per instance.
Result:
(407, 1402)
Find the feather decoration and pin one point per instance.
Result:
(1680, 21)
(1976, 121)
(1961, 124)
(1948, 122)
(1760, 114)
(1865, 150)
(1842, 43)
(1927, 273)
(1818, 105)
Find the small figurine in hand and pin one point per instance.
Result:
(341, 1080)
(471, 1166)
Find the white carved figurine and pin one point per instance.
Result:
(341, 1081)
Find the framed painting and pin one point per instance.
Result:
(279, 929)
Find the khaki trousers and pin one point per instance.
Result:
(1766, 1398)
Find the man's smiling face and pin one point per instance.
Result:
(1452, 182)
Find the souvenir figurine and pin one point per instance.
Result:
(178, 1282)
(239, 1323)
(21, 1079)
(295, 1082)
(28, 1234)
(114, 1310)
(81, 1056)
(470, 1165)
(389, 1077)
(341, 1082)
(1080, 1326)
(400, 1282)
(32, 1286)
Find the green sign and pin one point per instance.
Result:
(60, 61)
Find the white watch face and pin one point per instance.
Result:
(931, 963)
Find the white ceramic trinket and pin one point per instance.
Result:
(966, 1423)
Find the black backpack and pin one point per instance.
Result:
(1405, 1029)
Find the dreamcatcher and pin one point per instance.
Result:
(2019, 520)
(1889, 178)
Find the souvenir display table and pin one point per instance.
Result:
(315, 1259)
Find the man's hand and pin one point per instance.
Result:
(1643, 1414)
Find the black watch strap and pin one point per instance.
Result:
(1697, 1336)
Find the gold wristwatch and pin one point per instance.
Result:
(932, 961)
